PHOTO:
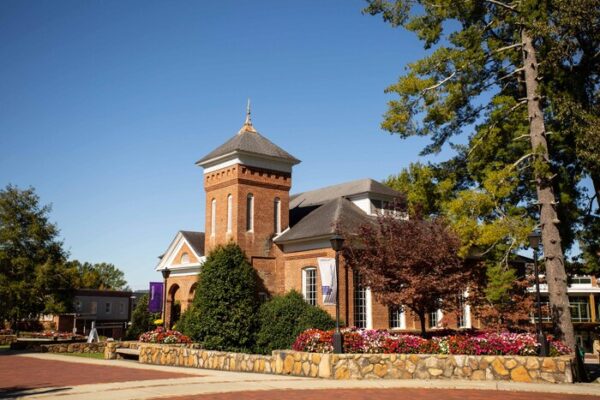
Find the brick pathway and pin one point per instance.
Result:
(385, 394)
(22, 373)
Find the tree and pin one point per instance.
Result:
(226, 301)
(142, 320)
(33, 277)
(102, 276)
(283, 318)
(411, 263)
(485, 71)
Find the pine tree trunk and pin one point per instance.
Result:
(553, 255)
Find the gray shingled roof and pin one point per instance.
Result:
(320, 196)
(196, 240)
(334, 215)
(249, 141)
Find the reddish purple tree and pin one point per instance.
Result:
(411, 263)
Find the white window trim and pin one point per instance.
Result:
(304, 283)
(402, 320)
(213, 217)
(369, 308)
(277, 212)
(229, 213)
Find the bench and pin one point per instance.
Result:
(123, 352)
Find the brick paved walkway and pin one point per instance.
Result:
(22, 373)
(385, 394)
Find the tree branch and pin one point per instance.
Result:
(501, 4)
(520, 160)
(512, 46)
(440, 83)
(512, 73)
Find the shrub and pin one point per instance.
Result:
(188, 324)
(141, 319)
(283, 318)
(227, 301)
(160, 335)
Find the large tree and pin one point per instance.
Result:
(99, 276)
(411, 263)
(33, 276)
(496, 71)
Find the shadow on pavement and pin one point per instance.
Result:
(19, 391)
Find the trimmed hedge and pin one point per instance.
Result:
(283, 318)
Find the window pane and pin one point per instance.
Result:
(397, 318)
(309, 283)
(360, 303)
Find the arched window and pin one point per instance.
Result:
(229, 213)
(309, 285)
(277, 215)
(213, 217)
(185, 258)
(250, 212)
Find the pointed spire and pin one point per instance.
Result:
(248, 123)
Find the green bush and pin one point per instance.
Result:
(283, 318)
(141, 319)
(188, 324)
(226, 302)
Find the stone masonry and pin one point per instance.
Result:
(361, 366)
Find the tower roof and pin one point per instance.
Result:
(249, 142)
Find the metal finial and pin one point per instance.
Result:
(248, 120)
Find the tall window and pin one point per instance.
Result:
(397, 318)
(229, 213)
(213, 217)
(309, 285)
(360, 303)
(580, 309)
(277, 215)
(107, 307)
(463, 319)
(250, 213)
(433, 319)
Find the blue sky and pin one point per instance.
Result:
(106, 105)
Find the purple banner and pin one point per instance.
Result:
(155, 298)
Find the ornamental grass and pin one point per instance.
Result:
(383, 341)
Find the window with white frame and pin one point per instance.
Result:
(250, 212)
(277, 215)
(362, 304)
(309, 285)
(580, 308)
(229, 213)
(213, 217)
(463, 319)
(185, 258)
(435, 318)
(397, 317)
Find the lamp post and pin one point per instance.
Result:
(534, 243)
(336, 244)
(165, 273)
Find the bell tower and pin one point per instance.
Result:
(247, 182)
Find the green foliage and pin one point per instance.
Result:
(101, 276)
(227, 301)
(33, 277)
(189, 323)
(141, 319)
(283, 318)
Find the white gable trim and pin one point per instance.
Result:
(173, 249)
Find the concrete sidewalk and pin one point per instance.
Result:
(205, 381)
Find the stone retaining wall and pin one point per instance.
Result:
(73, 348)
(7, 339)
(359, 366)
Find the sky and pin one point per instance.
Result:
(105, 106)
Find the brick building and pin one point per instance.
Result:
(247, 183)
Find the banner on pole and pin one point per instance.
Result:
(328, 281)
(155, 297)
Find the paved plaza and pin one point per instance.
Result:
(52, 376)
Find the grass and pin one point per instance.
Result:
(98, 356)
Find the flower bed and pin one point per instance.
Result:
(51, 335)
(160, 335)
(382, 341)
